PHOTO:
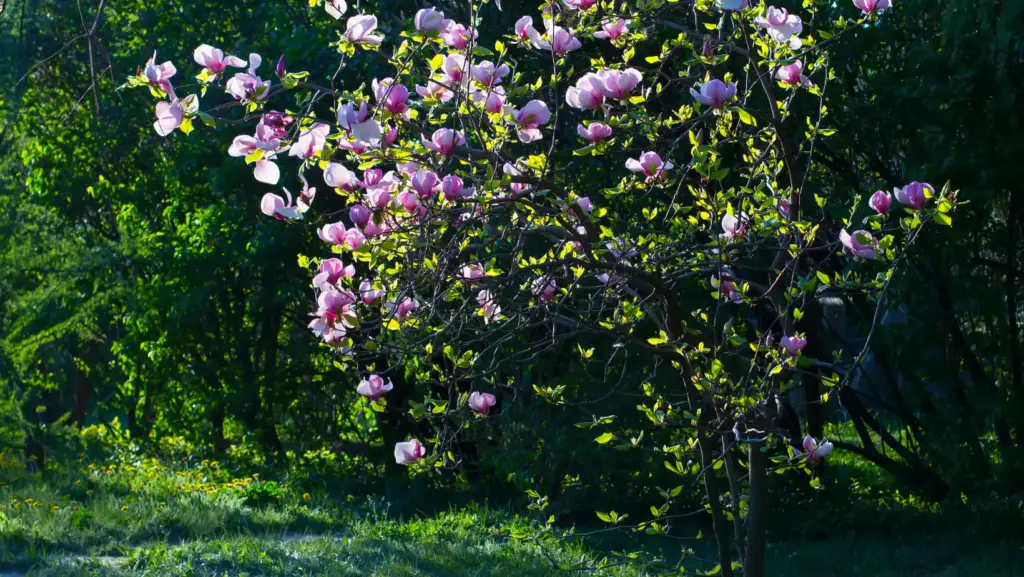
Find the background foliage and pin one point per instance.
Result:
(139, 282)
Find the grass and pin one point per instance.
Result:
(134, 517)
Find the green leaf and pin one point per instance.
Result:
(585, 150)
(604, 517)
(824, 278)
(604, 438)
(943, 219)
(745, 117)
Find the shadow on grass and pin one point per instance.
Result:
(328, 556)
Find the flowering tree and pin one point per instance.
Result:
(511, 197)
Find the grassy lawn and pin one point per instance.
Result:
(144, 517)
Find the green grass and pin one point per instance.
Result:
(133, 517)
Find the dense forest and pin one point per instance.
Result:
(150, 309)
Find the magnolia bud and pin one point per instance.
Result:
(280, 67)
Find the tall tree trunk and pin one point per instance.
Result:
(757, 512)
(217, 416)
(1017, 392)
(732, 472)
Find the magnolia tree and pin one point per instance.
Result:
(638, 175)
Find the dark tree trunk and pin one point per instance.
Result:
(757, 513)
(217, 415)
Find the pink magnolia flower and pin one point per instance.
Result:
(404, 308)
(612, 29)
(544, 288)
(511, 170)
(409, 201)
(374, 387)
(471, 272)
(913, 194)
(246, 86)
(580, 4)
(794, 345)
(454, 67)
(435, 90)
(390, 136)
(333, 233)
(485, 73)
(368, 294)
(265, 169)
(213, 60)
(424, 182)
(337, 176)
(814, 450)
(481, 402)
(331, 271)
(533, 115)
(408, 168)
(371, 177)
(453, 189)
(594, 133)
(558, 40)
(333, 306)
(523, 27)
(733, 5)
(359, 30)
(378, 197)
(372, 229)
(169, 117)
(457, 36)
(783, 206)
(616, 84)
(650, 165)
(359, 124)
(493, 99)
(860, 243)
(491, 313)
(734, 227)
(444, 141)
(353, 239)
(792, 74)
(782, 26)
(714, 93)
(726, 288)
(273, 205)
(392, 97)
(311, 141)
(359, 215)
(335, 8)
(409, 452)
(272, 129)
(306, 195)
(881, 201)
(869, 6)
(159, 74)
(430, 21)
(587, 94)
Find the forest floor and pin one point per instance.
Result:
(135, 517)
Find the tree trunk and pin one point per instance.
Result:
(732, 472)
(217, 415)
(757, 512)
